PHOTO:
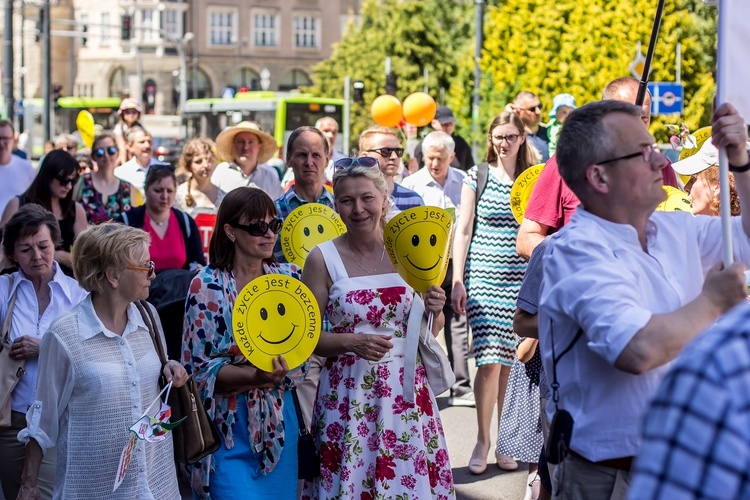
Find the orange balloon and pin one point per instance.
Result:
(386, 111)
(419, 109)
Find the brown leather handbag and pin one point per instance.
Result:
(11, 370)
(196, 437)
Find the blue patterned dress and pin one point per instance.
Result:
(494, 272)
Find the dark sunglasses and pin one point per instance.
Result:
(534, 109)
(100, 152)
(161, 166)
(260, 228)
(387, 152)
(362, 161)
(64, 180)
(150, 269)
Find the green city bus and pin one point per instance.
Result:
(277, 113)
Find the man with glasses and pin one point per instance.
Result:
(446, 122)
(625, 288)
(67, 143)
(16, 173)
(528, 107)
(139, 143)
(383, 144)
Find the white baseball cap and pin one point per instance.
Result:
(707, 156)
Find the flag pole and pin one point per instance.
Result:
(643, 84)
(724, 193)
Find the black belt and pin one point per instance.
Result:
(622, 463)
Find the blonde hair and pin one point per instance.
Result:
(193, 148)
(106, 246)
(365, 138)
(372, 173)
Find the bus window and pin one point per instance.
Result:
(301, 114)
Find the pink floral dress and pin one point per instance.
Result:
(372, 443)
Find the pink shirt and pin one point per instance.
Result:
(169, 252)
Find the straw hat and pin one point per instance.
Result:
(225, 141)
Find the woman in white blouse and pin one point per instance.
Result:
(198, 194)
(101, 372)
(41, 292)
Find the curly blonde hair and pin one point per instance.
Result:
(193, 148)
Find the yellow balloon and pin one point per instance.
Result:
(419, 109)
(308, 226)
(85, 126)
(276, 315)
(418, 242)
(386, 111)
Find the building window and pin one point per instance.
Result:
(146, 29)
(306, 31)
(294, 79)
(222, 27)
(105, 28)
(265, 25)
(171, 22)
(248, 78)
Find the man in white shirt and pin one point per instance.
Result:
(439, 185)
(244, 149)
(637, 284)
(139, 143)
(15, 172)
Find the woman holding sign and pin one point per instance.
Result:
(485, 257)
(373, 443)
(252, 409)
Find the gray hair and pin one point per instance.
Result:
(320, 121)
(440, 140)
(584, 141)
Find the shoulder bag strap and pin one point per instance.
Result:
(5, 337)
(556, 359)
(298, 410)
(483, 172)
(148, 318)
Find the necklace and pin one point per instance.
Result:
(356, 260)
(160, 224)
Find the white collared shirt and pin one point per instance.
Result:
(598, 278)
(132, 172)
(229, 176)
(433, 194)
(26, 320)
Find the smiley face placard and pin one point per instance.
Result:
(677, 201)
(418, 242)
(308, 226)
(521, 190)
(276, 315)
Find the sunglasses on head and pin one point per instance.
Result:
(150, 269)
(362, 161)
(387, 152)
(100, 152)
(260, 228)
(64, 180)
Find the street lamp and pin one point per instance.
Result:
(181, 43)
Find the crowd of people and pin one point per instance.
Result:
(561, 312)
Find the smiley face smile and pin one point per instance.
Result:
(423, 268)
(260, 335)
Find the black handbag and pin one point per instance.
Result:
(196, 437)
(307, 453)
(561, 428)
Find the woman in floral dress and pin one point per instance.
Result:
(373, 443)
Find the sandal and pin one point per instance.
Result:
(504, 462)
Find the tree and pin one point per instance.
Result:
(415, 34)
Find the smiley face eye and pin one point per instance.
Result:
(263, 313)
(306, 231)
(433, 240)
(281, 309)
(320, 228)
(415, 240)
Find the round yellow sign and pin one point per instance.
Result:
(677, 201)
(521, 190)
(308, 226)
(418, 242)
(701, 136)
(276, 315)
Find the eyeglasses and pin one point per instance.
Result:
(64, 180)
(646, 152)
(260, 228)
(150, 268)
(511, 138)
(100, 152)
(160, 166)
(362, 161)
(535, 108)
(387, 152)
(130, 111)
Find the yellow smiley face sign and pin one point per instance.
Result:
(308, 226)
(677, 201)
(418, 242)
(521, 190)
(276, 315)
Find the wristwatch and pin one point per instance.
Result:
(739, 170)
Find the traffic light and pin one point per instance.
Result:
(39, 26)
(85, 29)
(56, 92)
(126, 27)
(359, 91)
(390, 83)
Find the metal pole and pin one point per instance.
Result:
(8, 59)
(426, 75)
(643, 84)
(347, 107)
(183, 74)
(22, 86)
(678, 63)
(195, 69)
(46, 77)
(479, 35)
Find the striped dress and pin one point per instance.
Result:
(494, 272)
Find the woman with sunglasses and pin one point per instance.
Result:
(373, 443)
(101, 373)
(252, 409)
(486, 264)
(53, 188)
(103, 196)
(198, 194)
(175, 239)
